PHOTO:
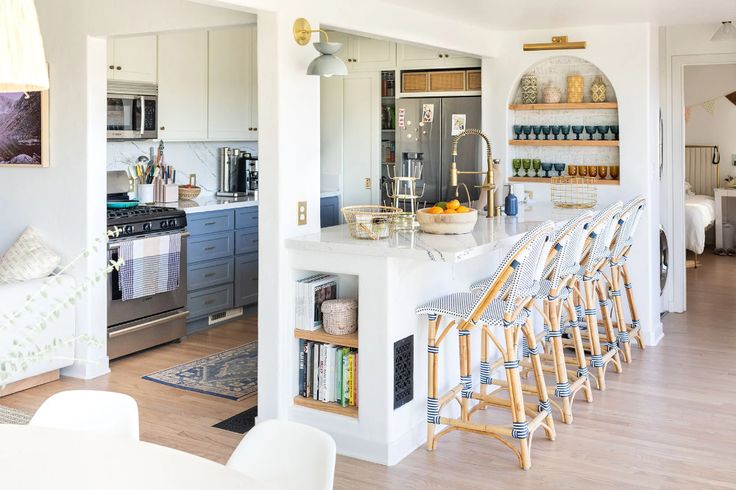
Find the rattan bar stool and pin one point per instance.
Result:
(555, 296)
(596, 256)
(504, 303)
(622, 242)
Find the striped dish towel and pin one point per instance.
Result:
(151, 266)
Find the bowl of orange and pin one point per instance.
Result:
(447, 218)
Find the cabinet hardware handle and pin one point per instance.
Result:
(253, 278)
(119, 68)
(112, 67)
(209, 248)
(440, 55)
(255, 241)
(250, 129)
(255, 129)
(162, 128)
(209, 301)
(209, 274)
(210, 223)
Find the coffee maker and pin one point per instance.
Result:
(252, 174)
(233, 172)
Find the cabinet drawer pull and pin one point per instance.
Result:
(211, 247)
(119, 68)
(210, 223)
(209, 274)
(112, 67)
(209, 301)
(254, 279)
(255, 241)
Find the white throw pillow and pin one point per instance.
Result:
(28, 258)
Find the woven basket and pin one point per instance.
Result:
(371, 222)
(340, 316)
(186, 193)
(575, 88)
(574, 192)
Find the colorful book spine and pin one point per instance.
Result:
(302, 367)
(315, 373)
(309, 349)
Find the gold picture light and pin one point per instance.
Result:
(558, 42)
(326, 64)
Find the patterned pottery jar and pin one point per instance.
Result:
(551, 94)
(529, 89)
(575, 88)
(598, 90)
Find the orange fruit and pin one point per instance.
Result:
(435, 210)
(463, 209)
(450, 211)
(454, 204)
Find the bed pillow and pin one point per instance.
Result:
(688, 189)
(28, 258)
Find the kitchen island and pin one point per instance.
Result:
(390, 278)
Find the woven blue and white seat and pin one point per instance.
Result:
(501, 307)
(593, 296)
(622, 242)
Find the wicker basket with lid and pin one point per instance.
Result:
(340, 316)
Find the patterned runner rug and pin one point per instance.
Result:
(12, 416)
(231, 374)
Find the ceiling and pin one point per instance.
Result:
(542, 14)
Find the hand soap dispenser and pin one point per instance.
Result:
(511, 203)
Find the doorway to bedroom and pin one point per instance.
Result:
(710, 171)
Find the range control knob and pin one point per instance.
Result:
(146, 226)
(164, 224)
(172, 223)
(128, 229)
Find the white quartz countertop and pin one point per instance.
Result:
(212, 203)
(487, 236)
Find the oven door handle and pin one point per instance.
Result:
(149, 324)
(116, 246)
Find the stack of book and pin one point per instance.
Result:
(311, 292)
(328, 373)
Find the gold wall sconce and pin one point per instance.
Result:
(558, 42)
(326, 64)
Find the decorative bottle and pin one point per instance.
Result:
(511, 203)
(598, 90)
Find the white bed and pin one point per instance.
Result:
(700, 214)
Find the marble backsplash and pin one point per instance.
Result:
(190, 157)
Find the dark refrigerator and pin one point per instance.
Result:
(426, 126)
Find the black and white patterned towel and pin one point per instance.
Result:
(151, 266)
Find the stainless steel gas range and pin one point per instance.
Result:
(145, 322)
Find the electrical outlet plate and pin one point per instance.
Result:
(301, 213)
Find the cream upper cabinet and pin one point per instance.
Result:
(132, 59)
(182, 85)
(364, 54)
(409, 56)
(232, 78)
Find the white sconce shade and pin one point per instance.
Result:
(22, 59)
(727, 32)
(327, 64)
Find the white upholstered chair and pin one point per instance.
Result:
(102, 412)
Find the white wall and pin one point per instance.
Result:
(627, 54)
(66, 202)
(681, 46)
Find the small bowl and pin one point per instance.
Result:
(447, 224)
(187, 193)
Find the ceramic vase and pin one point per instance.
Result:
(551, 94)
(598, 90)
(529, 89)
(575, 85)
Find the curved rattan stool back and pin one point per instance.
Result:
(518, 273)
(567, 249)
(628, 222)
(601, 231)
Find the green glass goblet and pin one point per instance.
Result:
(536, 165)
(526, 164)
(516, 165)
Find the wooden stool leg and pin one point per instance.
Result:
(544, 404)
(465, 377)
(635, 322)
(591, 319)
(623, 329)
(485, 367)
(519, 426)
(562, 389)
(579, 351)
(611, 344)
(433, 415)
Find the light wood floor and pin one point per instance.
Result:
(669, 421)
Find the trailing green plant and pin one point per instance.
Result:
(24, 323)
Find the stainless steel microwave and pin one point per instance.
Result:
(132, 111)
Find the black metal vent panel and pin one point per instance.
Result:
(403, 371)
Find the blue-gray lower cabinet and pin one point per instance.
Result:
(222, 262)
(329, 211)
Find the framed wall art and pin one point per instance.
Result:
(24, 129)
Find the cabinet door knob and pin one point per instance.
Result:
(440, 55)
(447, 56)
(162, 128)
(255, 129)
(250, 129)
(112, 67)
(119, 68)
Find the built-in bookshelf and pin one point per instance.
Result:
(326, 365)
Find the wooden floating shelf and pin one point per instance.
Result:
(564, 106)
(545, 180)
(564, 142)
(331, 407)
(349, 340)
